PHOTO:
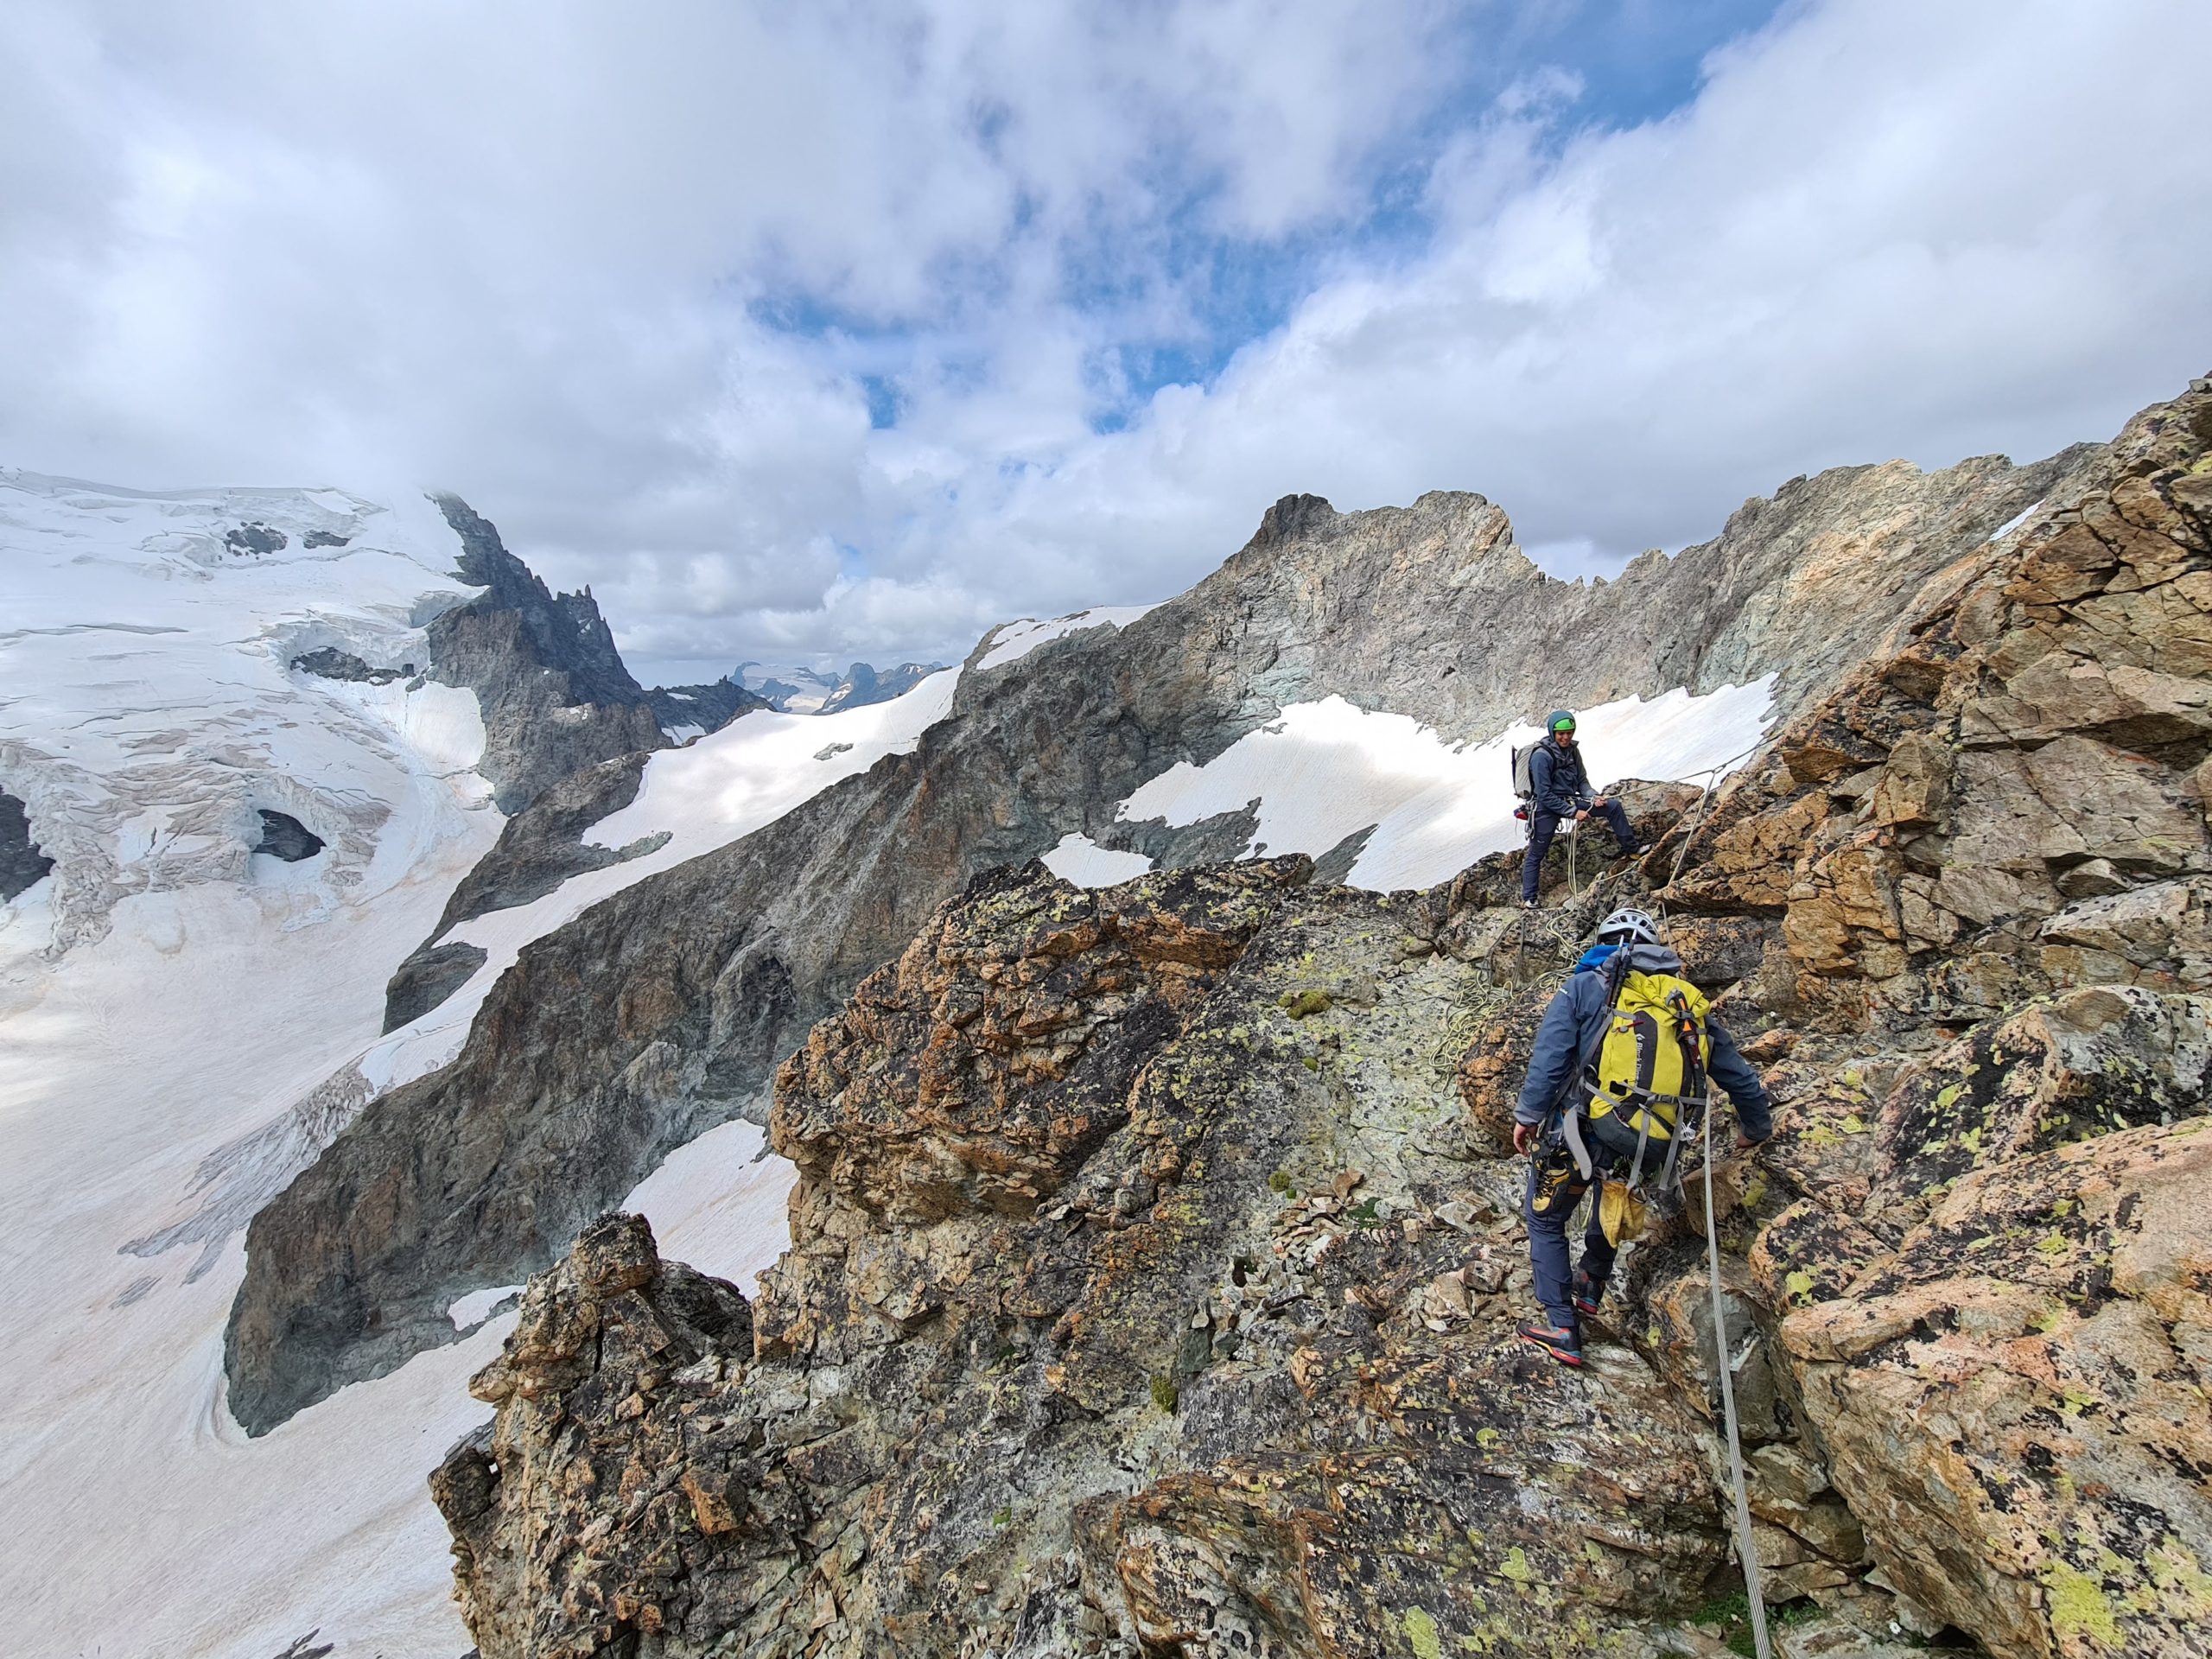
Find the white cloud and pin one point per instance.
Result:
(523, 251)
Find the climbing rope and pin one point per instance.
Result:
(1712, 776)
(1747, 1546)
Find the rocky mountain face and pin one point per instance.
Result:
(22, 861)
(555, 694)
(1156, 1252)
(665, 1009)
(695, 710)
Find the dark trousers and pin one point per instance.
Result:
(1543, 825)
(1557, 1185)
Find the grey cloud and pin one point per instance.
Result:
(528, 254)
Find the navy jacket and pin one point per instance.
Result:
(1557, 780)
(1579, 1013)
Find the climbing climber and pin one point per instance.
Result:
(1617, 1083)
(1558, 791)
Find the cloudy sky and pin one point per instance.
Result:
(812, 329)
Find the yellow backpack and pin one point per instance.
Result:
(1650, 1064)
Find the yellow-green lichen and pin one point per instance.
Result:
(2175, 1571)
(2078, 1606)
(1421, 1633)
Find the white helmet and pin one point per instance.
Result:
(1629, 926)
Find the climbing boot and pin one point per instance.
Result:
(1562, 1342)
(1587, 1293)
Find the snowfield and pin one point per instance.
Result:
(1326, 770)
(147, 706)
(183, 1024)
(173, 1010)
(692, 800)
(1010, 642)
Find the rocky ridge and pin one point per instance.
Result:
(556, 695)
(696, 710)
(723, 962)
(1155, 1254)
(774, 929)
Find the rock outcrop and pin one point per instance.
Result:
(2014, 1402)
(698, 709)
(555, 694)
(1138, 1294)
(22, 863)
(664, 1008)
(1154, 1256)
(284, 837)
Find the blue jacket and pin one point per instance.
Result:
(1557, 780)
(1579, 1013)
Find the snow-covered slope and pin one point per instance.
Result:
(181, 1024)
(167, 999)
(693, 799)
(1326, 770)
(1010, 642)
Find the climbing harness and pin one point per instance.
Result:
(1746, 1547)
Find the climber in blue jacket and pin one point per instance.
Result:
(1572, 1027)
(1561, 792)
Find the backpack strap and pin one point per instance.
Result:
(1613, 975)
(1570, 1126)
(1688, 1030)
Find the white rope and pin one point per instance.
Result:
(1696, 815)
(1747, 1546)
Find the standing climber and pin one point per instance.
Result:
(1559, 789)
(1614, 1087)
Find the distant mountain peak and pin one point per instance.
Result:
(798, 689)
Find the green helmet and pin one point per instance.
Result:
(1559, 720)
